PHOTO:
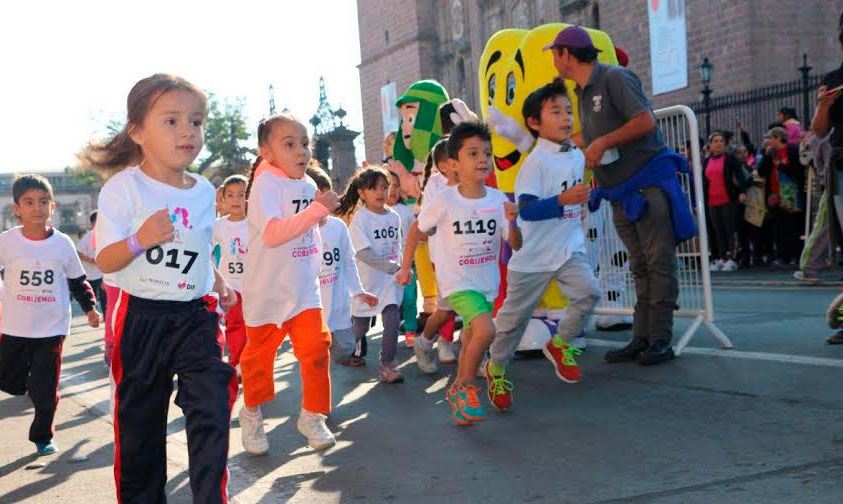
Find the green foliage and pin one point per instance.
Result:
(225, 130)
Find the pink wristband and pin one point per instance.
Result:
(135, 247)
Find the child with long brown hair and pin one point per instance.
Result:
(154, 234)
(376, 236)
(281, 282)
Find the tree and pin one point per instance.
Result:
(225, 129)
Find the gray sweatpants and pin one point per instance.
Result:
(652, 258)
(391, 318)
(525, 290)
(342, 345)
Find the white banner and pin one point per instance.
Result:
(389, 112)
(668, 45)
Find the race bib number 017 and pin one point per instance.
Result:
(156, 255)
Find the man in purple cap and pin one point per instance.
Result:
(635, 170)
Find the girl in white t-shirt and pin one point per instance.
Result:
(281, 282)
(409, 299)
(376, 236)
(231, 239)
(153, 239)
(339, 281)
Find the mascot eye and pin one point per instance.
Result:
(510, 88)
(491, 89)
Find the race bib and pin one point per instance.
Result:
(35, 281)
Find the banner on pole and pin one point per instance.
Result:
(668, 45)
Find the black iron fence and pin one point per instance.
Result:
(756, 109)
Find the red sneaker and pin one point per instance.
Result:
(563, 361)
(499, 390)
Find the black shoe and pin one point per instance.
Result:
(659, 352)
(835, 339)
(628, 353)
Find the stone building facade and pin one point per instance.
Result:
(750, 42)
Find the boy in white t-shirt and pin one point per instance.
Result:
(469, 221)
(42, 271)
(231, 238)
(86, 250)
(338, 279)
(550, 196)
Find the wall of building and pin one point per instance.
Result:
(750, 42)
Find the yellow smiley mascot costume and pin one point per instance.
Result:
(512, 66)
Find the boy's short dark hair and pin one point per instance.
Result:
(93, 217)
(29, 182)
(535, 101)
(323, 181)
(464, 131)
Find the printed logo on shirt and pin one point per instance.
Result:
(597, 103)
(237, 248)
(180, 218)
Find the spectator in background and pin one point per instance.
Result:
(724, 186)
(785, 177)
(787, 117)
(816, 250)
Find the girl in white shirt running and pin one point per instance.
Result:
(376, 236)
(153, 238)
(281, 282)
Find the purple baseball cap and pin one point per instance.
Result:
(574, 37)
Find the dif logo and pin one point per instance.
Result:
(186, 286)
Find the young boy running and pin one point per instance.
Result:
(469, 219)
(550, 196)
(41, 266)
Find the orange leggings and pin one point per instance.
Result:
(311, 343)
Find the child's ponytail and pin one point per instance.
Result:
(121, 151)
(348, 201)
(251, 179)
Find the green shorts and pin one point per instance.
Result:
(469, 304)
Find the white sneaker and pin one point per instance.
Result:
(481, 371)
(312, 426)
(425, 359)
(446, 352)
(730, 265)
(252, 433)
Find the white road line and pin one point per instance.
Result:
(737, 354)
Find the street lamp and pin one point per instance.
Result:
(705, 76)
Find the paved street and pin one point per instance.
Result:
(760, 423)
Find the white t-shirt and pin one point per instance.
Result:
(435, 185)
(470, 230)
(549, 243)
(85, 247)
(36, 297)
(338, 278)
(280, 282)
(233, 239)
(408, 216)
(382, 234)
(179, 270)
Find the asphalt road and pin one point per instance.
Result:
(760, 423)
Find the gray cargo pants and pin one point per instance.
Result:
(652, 255)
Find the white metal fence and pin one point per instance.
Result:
(679, 127)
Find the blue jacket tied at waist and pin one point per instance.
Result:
(660, 172)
